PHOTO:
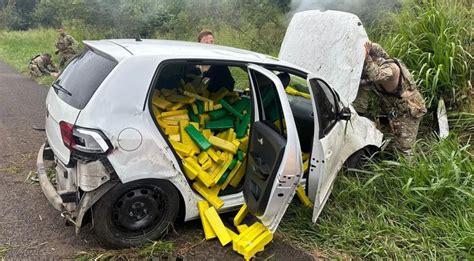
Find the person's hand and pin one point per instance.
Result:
(368, 46)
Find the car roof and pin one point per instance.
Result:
(122, 48)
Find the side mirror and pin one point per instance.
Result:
(345, 114)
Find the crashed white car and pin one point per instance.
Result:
(114, 163)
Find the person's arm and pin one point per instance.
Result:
(52, 68)
(71, 42)
(378, 73)
(58, 45)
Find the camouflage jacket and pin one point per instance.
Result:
(44, 65)
(65, 43)
(406, 98)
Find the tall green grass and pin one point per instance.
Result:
(462, 123)
(432, 38)
(18, 47)
(417, 208)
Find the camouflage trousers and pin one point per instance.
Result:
(65, 56)
(408, 113)
(405, 129)
(35, 70)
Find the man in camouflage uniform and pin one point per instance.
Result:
(42, 65)
(365, 92)
(65, 46)
(399, 96)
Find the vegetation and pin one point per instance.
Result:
(3, 250)
(419, 207)
(155, 250)
(434, 39)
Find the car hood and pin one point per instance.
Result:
(330, 45)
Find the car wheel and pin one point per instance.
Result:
(359, 158)
(134, 213)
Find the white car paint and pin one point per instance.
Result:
(290, 170)
(329, 44)
(56, 111)
(120, 104)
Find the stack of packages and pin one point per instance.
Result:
(209, 132)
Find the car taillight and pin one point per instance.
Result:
(66, 134)
(84, 140)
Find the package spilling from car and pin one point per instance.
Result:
(204, 130)
(210, 133)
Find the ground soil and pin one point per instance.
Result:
(30, 228)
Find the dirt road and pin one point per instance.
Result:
(29, 227)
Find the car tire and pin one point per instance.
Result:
(359, 158)
(134, 213)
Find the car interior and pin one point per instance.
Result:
(175, 80)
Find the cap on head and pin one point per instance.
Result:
(377, 51)
(47, 56)
(203, 34)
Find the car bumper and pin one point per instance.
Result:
(46, 186)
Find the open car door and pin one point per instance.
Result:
(274, 165)
(330, 45)
(329, 142)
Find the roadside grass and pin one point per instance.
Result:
(462, 123)
(419, 207)
(16, 162)
(3, 251)
(434, 40)
(18, 47)
(155, 250)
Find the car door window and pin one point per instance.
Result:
(326, 103)
(274, 155)
(270, 109)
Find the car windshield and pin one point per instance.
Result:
(81, 78)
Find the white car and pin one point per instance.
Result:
(113, 161)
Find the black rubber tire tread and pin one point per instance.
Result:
(111, 236)
(359, 158)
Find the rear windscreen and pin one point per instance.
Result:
(82, 76)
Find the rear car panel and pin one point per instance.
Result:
(70, 93)
(56, 111)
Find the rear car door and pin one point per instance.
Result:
(274, 165)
